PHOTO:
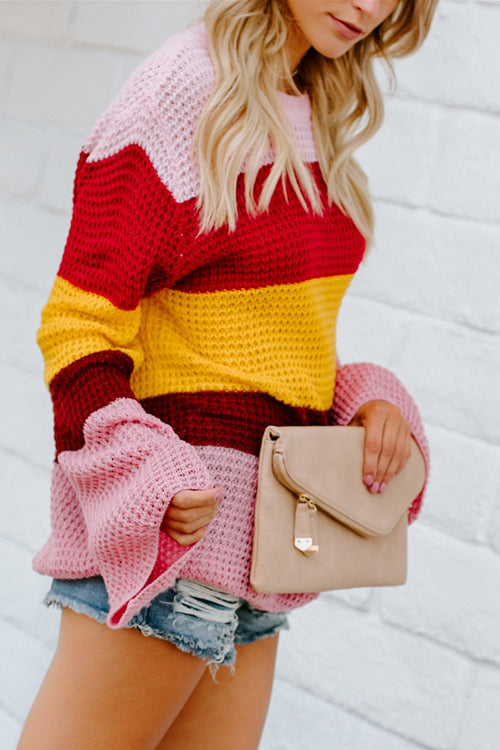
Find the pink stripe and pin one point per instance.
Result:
(158, 109)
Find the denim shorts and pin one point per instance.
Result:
(195, 617)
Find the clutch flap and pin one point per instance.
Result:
(326, 463)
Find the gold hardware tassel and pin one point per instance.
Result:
(306, 532)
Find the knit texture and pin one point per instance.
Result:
(168, 353)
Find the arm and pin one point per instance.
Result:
(359, 384)
(123, 465)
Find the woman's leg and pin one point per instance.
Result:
(229, 713)
(109, 689)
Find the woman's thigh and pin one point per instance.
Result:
(109, 689)
(230, 712)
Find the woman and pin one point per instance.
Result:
(218, 219)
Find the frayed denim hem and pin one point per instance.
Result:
(185, 644)
(57, 600)
(188, 646)
(195, 617)
(246, 640)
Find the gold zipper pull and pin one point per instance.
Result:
(306, 532)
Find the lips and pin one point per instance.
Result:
(345, 29)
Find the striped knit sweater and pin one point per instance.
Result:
(168, 353)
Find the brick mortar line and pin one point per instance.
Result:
(35, 200)
(68, 130)
(72, 15)
(65, 43)
(24, 369)
(467, 435)
(19, 625)
(377, 617)
(15, 542)
(446, 323)
(424, 208)
(473, 545)
(472, 660)
(434, 211)
(28, 285)
(480, 442)
(461, 721)
(484, 3)
(401, 96)
(20, 284)
(8, 711)
(356, 714)
(17, 454)
(352, 713)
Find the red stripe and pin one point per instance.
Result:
(232, 420)
(122, 219)
(282, 246)
(83, 387)
(128, 237)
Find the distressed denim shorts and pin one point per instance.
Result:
(195, 617)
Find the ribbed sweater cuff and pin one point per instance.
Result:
(124, 477)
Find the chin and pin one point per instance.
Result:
(332, 51)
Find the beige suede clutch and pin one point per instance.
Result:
(317, 526)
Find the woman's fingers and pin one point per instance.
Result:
(189, 513)
(189, 527)
(195, 498)
(186, 539)
(373, 422)
(393, 454)
(387, 442)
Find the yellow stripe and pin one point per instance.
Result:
(278, 339)
(76, 323)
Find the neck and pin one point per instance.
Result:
(296, 47)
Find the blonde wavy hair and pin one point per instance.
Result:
(243, 118)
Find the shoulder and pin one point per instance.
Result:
(178, 78)
(181, 71)
(158, 107)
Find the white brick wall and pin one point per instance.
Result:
(393, 669)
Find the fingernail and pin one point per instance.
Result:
(368, 480)
(374, 487)
(382, 487)
(219, 495)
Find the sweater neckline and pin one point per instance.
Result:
(298, 108)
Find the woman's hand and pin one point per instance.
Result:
(189, 513)
(387, 442)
